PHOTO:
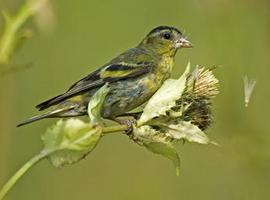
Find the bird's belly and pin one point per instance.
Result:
(124, 95)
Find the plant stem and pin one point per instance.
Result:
(113, 129)
(14, 179)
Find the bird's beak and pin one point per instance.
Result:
(184, 43)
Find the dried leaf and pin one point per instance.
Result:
(187, 131)
(165, 98)
(167, 150)
(146, 133)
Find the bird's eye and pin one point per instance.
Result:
(167, 36)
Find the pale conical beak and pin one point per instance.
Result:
(184, 43)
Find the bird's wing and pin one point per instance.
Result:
(107, 74)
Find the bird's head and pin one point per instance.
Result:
(165, 40)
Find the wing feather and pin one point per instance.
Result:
(98, 78)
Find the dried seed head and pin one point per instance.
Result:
(202, 82)
(196, 101)
(248, 89)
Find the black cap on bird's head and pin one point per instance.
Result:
(166, 38)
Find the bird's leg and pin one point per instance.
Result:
(126, 121)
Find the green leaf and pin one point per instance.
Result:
(165, 98)
(70, 141)
(95, 105)
(187, 131)
(167, 150)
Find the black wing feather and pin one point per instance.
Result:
(90, 82)
(68, 94)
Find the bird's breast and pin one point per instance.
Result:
(163, 70)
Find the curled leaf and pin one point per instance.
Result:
(157, 142)
(70, 141)
(96, 103)
(187, 131)
(165, 98)
(167, 150)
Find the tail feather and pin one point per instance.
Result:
(48, 103)
(51, 114)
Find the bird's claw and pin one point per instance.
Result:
(130, 123)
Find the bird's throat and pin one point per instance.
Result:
(164, 69)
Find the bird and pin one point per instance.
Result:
(133, 77)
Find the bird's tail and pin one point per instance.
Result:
(51, 114)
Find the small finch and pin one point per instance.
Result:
(133, 77)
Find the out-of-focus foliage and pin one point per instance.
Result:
(231, 33)
(14, 32)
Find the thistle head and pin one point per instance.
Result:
(196, 101)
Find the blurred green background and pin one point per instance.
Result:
(232, 33)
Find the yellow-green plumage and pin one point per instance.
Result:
(133, 77)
